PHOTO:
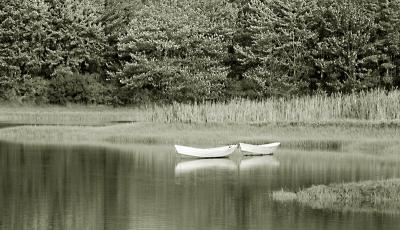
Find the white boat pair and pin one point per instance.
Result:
(225, 151)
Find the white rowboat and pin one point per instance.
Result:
(206, 153)
(249, 149)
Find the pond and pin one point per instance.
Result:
(150, 187)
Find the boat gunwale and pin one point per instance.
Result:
(257, 150)
(223, 151)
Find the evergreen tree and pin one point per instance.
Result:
(343, 35)
(75, 37)
(115, 17)
(178, 50)
(385, 37)
(278, 57)
(22, 30)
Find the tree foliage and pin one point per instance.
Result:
(162, 50)
(177, 49)
(277, 53)
(75, 38)
(39, 36)
(22, 26)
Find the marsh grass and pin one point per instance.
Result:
(374, 108)
(378, 106)
(284, 196)
(379, 196)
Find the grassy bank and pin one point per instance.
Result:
(70, 115)
(336, 138)
(376, 196)
(375, 107)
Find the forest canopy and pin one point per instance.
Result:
(127, 52)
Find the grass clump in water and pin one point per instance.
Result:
(284, 196)
(376, 196)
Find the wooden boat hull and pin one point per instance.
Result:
(206, 153)
(266, 149)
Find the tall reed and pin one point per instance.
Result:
(377, 105)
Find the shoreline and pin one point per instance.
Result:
(319, 139)
(338, 137)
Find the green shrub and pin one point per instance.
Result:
(25, 90)
(34, 90)
(67, 87)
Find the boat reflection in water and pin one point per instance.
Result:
(258, 172)
(189, 166)
(251, 163)
(205, 171)
(218, 166)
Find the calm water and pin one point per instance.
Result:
(151, 188)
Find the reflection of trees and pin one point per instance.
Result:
(50, 188)
(87, 188)
(206, 194)
(82, 188)
(224, 197)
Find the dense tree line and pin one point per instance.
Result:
(125, 52)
